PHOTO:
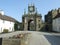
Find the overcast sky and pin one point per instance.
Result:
(15, 8)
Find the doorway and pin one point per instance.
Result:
(30, 25)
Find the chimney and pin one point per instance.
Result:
(1, 12)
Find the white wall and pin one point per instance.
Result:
(6, 25)
(56, 24)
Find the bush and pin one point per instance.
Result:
(5, 30)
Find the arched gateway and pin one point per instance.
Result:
(31, 20)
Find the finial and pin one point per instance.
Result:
(31, 4)
(36, 10)
(24, 11)
(28, 4)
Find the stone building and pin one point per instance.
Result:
(56, 23)
(49, 18)
(48, 21)
(31, 20)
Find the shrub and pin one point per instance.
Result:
(5, 30)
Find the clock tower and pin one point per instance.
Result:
(31, 20)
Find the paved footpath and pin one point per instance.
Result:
(38, 40)
(41, 39)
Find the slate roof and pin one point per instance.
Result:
(57, 16)
(7, 18)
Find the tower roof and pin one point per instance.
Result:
(31, 4)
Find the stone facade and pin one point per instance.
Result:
(48, 21)
(49, 18)
(56, 23)
(31, 20)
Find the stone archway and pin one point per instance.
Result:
(30, 25)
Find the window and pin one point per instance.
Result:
(59, 20)
(10, 22)
(10, 28)
(1, 29)
(39, 20)
(3, 21)
(59, 28)
(18, 26)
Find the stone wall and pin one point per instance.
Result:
(7, 41)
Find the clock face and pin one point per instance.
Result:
(31, 8)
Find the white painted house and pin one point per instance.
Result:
(6, 22)
(56, 23)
